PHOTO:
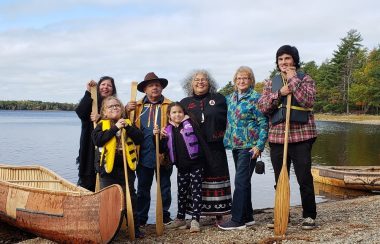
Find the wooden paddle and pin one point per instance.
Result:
(133, 98)
(128, 201)
(159, 211)
(94, 109)
(282, 198)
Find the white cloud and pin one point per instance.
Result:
(52, 58)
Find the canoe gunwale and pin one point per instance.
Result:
(354, 177)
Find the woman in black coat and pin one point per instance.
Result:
(85, 160)
(209, 108)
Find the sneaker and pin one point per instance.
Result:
(143, 225)
(308, 223)
(194, 226)
(139, 234)
(232, 225)
(177, 223)
(219, 220)
(250, 223)
(167, 220)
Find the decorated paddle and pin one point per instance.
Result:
(94, 109)
(128, 201)
(282, 198)
(159, 211)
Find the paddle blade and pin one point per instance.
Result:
(133, 98)
(131, 222)
(159, 210)
(128, 200)
(97, 183)
(282, 203)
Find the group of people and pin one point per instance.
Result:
(194, 135)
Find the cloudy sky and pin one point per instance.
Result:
(50, 49)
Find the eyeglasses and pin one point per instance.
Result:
(114, 106)
(243, 78)
(203, 80)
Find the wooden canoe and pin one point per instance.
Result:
(352, 177)
(39, 201)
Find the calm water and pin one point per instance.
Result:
(51, 139)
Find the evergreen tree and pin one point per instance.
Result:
(344, 61)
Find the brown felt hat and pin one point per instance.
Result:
(151, 76)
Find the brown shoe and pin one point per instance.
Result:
(177, 223)
(194, 226)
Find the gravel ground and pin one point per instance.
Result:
(346, 221)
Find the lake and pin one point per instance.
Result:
(51, 139)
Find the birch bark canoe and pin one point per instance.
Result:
(39, 201)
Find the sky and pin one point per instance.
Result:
(49, 50)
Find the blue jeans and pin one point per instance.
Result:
(242, 211)
(145, 177)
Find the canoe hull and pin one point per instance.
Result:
(63, 216)
(356, 177)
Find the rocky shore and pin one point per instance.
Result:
(345, 221)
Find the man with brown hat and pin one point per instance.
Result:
(153, 102)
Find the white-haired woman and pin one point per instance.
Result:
(209, 108)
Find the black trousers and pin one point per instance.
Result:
(300, 155)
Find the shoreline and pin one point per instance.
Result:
(350, 118)
(342, 221)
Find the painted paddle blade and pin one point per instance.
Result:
(282, 203)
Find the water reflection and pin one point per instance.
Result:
(347, 144)
(329, 192)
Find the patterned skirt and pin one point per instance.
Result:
(216, 186)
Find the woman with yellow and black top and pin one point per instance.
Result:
(107, 137)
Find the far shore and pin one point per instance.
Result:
(349, 118)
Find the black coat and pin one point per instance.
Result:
(85, 159)
(214, 110)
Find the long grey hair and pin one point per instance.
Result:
(187, 83)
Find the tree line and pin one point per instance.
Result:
(36, 105)
(349, 82)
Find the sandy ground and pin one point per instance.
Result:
(345, 221)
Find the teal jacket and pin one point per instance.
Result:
(246, 125)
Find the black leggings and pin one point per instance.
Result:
(190, 183)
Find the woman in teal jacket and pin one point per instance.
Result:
(246, 134)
